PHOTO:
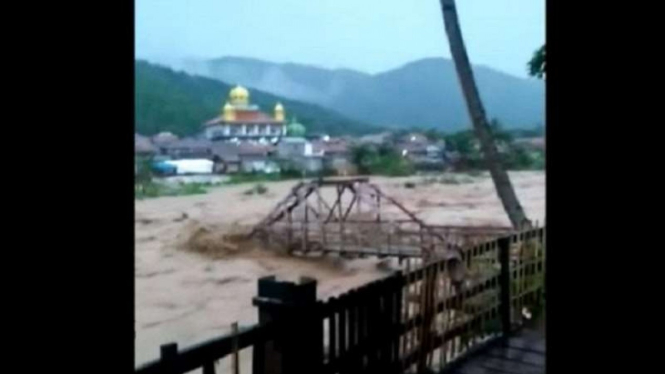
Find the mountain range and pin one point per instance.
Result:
(424, 93)
(168, 100)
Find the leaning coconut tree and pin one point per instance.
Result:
(504, 187)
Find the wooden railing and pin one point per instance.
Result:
(424, 317)
(205, 355)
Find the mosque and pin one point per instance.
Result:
(241, 121)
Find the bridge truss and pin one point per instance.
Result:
(354, 218)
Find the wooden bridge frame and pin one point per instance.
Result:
(304, 221)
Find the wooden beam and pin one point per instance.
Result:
(337, 204)
(322, 226)
(340, 192)
(313, 210)
(378, 209)
(305, 228)
(348, 209)
(236, 356)
(290, 231)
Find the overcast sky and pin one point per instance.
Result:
(365, 35)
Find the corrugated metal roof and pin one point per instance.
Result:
(189, 143)
(142, 144)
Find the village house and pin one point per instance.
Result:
(376, 139)
(424, 153)
(257, 158)
(298, 153)
(164, 138)
(226, 157)
(143, 147)
(415, 138)
(531, 144)
(335, 152)
(313, 137)
(187, 148)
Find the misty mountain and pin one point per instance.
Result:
(166, 100)
(424, 93)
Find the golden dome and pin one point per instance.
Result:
(279, 112)
(228, 112)
(239, 95)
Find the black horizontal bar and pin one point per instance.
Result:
(198, 355)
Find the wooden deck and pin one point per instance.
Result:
(522, 353)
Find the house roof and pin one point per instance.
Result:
(164, 138)
(532, 142)
(251, 149)
(418, 146)
(293, 140)
(375, 138)
(452, 155)
(316, 136)
(142, 144)
(228, 152)
(333, 146)
(415, 137)
(244, 116)
(189, 143)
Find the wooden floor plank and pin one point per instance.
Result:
(475, 369)
(518, 355)
(509, 366)
(528, 345)
(523, 353)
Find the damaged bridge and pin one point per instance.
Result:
(354, 218)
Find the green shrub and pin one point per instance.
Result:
(147, 190)
(381, 161)
(192, 189)
(152, 190)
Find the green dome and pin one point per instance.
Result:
(295, 129)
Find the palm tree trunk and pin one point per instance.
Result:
(504, 187)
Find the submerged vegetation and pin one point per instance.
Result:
(153, 189)
(383, 160)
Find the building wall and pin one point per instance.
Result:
(187, 153)
(249, 166)
(292, 149)
(313, 164)
(259, 164)
(244, 130)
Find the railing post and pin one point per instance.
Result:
(298, 344)
(168, 353)
(504, 285)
